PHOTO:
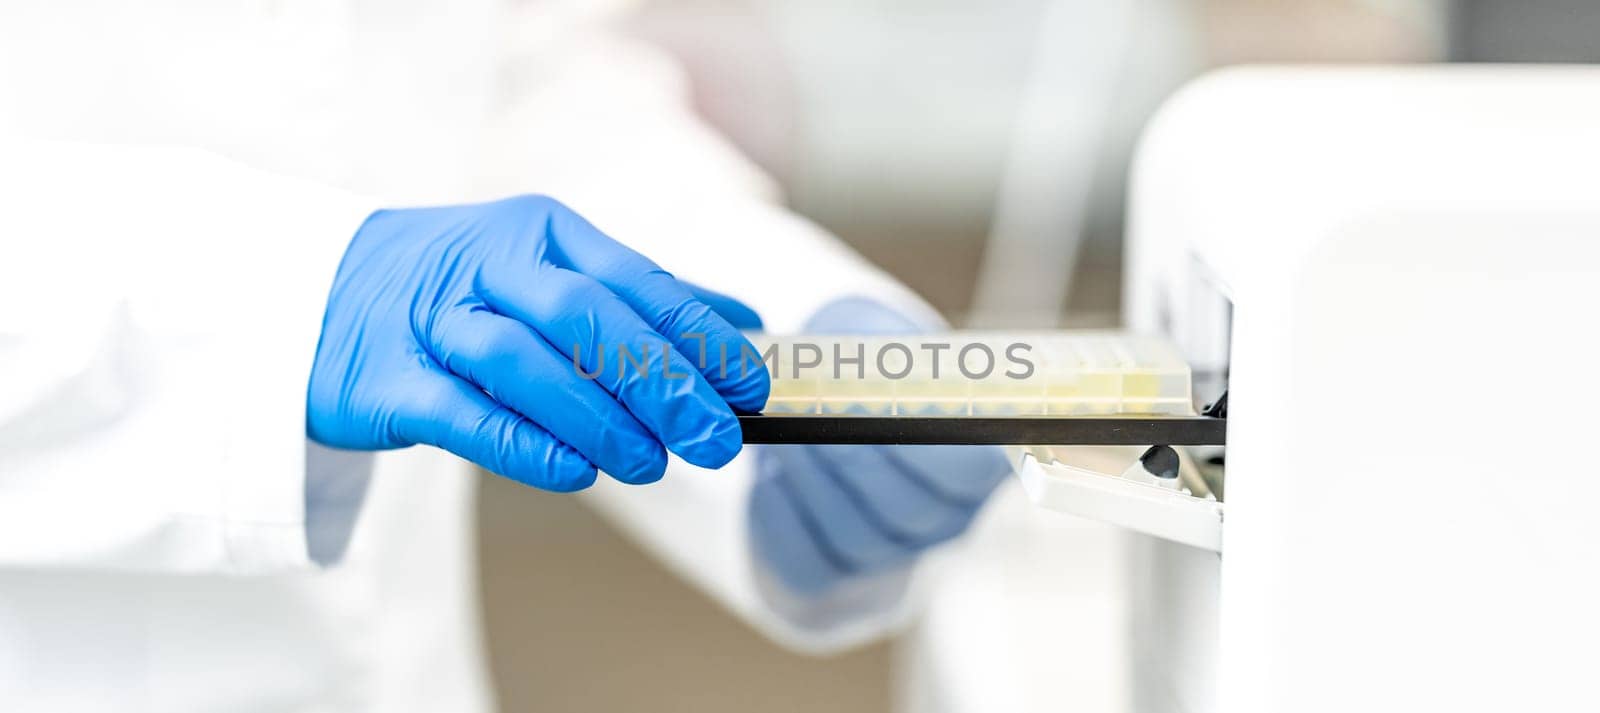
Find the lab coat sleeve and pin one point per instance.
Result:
(159, 312)
(612, 135)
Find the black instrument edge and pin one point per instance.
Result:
(985, 430)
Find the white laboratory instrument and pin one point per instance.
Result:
(1395, 271)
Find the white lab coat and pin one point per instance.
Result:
(177, 182)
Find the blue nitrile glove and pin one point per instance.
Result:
(456, 327)
(822, 515)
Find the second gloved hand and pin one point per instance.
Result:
(823, 515)
(516, 335)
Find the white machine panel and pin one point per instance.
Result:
(1167, 513)
(1412, 258)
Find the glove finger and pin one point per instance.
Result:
(898, 501)
(782, 540)
(452, 414)
(664, 303)
(517, 368)
(960, 474)
(738, 314)
(624, 356)
(839, 522)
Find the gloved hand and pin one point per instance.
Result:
(822, 515)
(457, 326)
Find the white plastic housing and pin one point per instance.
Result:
(1166, 513)
(1412, 257)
